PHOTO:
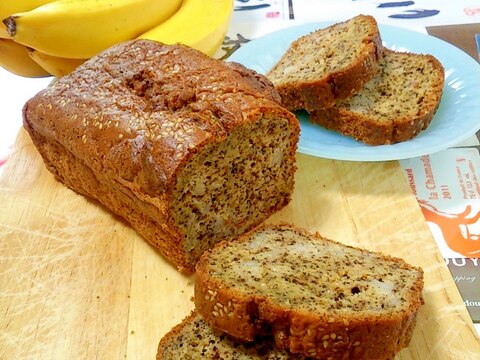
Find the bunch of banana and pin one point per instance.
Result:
(62, 34)
(14, 57)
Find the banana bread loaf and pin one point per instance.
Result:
(328, 64)
(194, 339)
(187, 149)
(394, 106)
(317, 297)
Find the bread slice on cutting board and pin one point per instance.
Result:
(194, 339)
(315, 296)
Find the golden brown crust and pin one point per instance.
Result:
(120, 127)
(102, 91)
(317, 335)
(323, 91)
(362, 122)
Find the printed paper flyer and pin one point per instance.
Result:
(447, 187)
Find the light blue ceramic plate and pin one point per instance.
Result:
(457, 118)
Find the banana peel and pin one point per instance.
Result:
(9, 7)
(14, 58)
(200, 24)
(81, 29)
(55, 65)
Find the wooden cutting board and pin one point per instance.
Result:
(77, 283)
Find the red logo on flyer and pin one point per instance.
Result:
(454, 228)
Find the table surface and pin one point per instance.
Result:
(77, 283)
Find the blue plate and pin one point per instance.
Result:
(457, 118)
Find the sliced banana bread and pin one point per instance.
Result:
(328, 64)
(189, 150)
(317, 297)
(394, 106)
(194, 339)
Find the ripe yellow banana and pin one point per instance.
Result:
(56, 66)
(14, 57)
(79, 29)
(9, 7)
(201, 24)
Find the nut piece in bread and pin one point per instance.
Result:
(316, 297)
(328, 64)
(396, 105)
(187, 149)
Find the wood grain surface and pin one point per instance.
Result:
(77, 283)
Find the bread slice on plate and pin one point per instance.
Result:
(328, 64)
(194, 339)
(315, 296)
(394, 106)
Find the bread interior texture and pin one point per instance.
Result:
(234, 184)
(317, 275)
(319, 53)
(197, 340)
(405, 85)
